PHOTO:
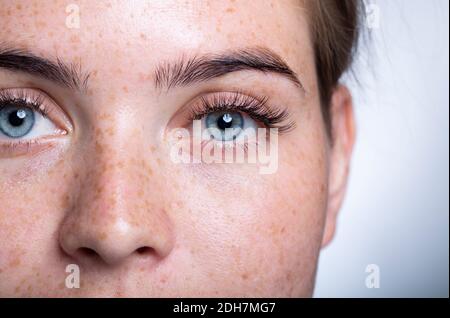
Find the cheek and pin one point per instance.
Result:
(253, 234)
(30, 211)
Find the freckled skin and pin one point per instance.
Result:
(108, 197)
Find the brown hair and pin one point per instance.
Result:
(335, 29)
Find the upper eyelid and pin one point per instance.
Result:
(235, 100)
(280, 117)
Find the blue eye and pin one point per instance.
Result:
(16, 122)
(224, 126)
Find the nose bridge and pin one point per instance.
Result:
(116, 211)
(108, 186)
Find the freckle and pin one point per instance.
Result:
(125, 89)
(98, 132)
(74, 39)
(144, 77)
(245, 276)
(104, 116)
(322, 188)
(98, 147)
(15, 262)
(112, 201)
(230, 10)
(149, 171)
(103, 236)
(65, 202)
(18, 7)
(41, 24)
(99, 190)
(110, 131)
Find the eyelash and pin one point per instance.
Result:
(255, 107)
(23, 98)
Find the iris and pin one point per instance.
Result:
(16, 122)
(224, 126)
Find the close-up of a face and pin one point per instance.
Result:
(91, 93)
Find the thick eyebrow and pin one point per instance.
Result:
(202, 68)
(21, 60)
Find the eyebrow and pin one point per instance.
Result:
(21, 60)
(206, 67)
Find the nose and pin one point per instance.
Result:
(113, 241)
(115, 212)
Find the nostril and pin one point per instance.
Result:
(86, 251)
(144, 250)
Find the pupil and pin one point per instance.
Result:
(226, 121)
(16, 118)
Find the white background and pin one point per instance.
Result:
(396, 213)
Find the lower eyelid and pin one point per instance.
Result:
(22, 148)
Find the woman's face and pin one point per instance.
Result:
(90, 95)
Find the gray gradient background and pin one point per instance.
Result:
(396, 213)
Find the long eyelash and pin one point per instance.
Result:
(23, 98)
(256, 108)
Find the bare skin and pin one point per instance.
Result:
(106, 196)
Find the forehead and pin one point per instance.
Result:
(156, 30)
